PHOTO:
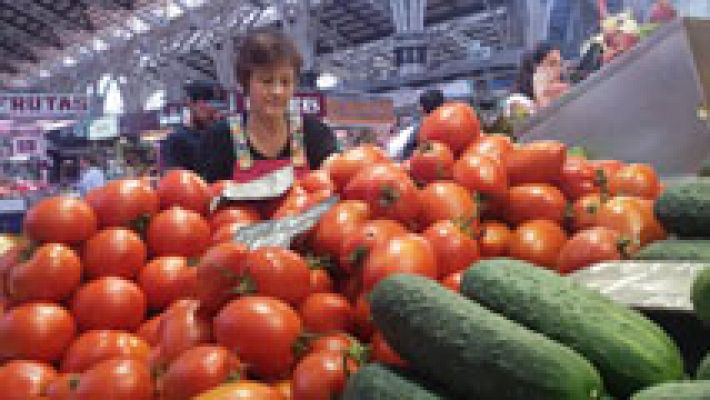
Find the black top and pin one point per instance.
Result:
(217, 148)
(180, 149)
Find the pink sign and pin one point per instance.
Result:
(13, 105)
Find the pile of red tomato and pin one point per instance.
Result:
(141, 293)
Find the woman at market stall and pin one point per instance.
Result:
(270, 135)
(540, 76)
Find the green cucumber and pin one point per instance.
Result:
(684, 209)
(676, 250)
(700, 295)
(473, 352)
(691, 390)
(703, 371)
(630, 351)
(378, 382)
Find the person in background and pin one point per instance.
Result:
(269, 136)
(404, 144)
(181, 148)
(540, 77)
(662, 11)
(92, 176)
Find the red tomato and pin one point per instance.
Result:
(36, 331)
(407, 253)
(327, 312)
(114, 252)
(589, 247)
(164, 280)
(605, 169)
(124, 203)
(536, 162)
(363, 318)
(243, 390)
(578, 178)
(455, 246)
(585, 211)
(243, 215)
(344, 166)
(62, 388)
(197, 370)
(535, 201)
(61, 220)
(431, 161)
(321, 281)
(248, 323)
(638, 180)
(383, 353)
(118, 379)
(218, 187)
(338, 223)
(357, 246)
(341, 342)
(539, 242)
(178, 232)
(454, 123)
(226, 233)
(494, 146)
(279, 273)
(633, 218)
(481, 174)
(494, 239)
(20, 380)
(52, 274)
(149, 330)
(181, 328)
(447, 201)
(109, 303)
(219, 273)
(298, 203)
(184, 189)
(284, 388)
(322, 376)
(453, 281)
(94, 347)
(388, 191)
(318, 181)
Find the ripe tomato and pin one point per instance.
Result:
(297, 202)
(321, 281)
(243, 215)
(164, 280)
(242, 390)
(454, 123)
(578, 178)
(181, 328)
(149, 330)
(117, 379)
(36, 331)
(114, 252)
(219, 272)
(284, 388)
(536, 162)
(535, 201)
(383, 353)
(585, 211)
(455, 246)
(279, 273)
(52, 274)
(389, 192)
(322, 375)
(589, 247)
(327, 312)
(357, 246)
(633, 218)
(431, 161)
(248, 323)
(494, 146)
(494, 239)
(109, 303)
(96, 346)
(338, 223)
(178, 232)
(638, 180)
(226, 233)
(344, 166)
(341, 342)
(20, 380)
(481, 174)
(317, 181)
(363, 319)
(184, 189)
(216, 188)
(605, 169)
(539, 242)
(62, 387)
(197, 370)
(61, 220)
(408, 253)
(123, 203)
(446, 201)
(453, 281)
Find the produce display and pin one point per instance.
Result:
(140, 292)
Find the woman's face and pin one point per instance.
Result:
(553, 64)
(271, 89)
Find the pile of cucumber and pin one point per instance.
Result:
(518, 331)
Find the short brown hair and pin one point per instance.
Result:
(265, 48)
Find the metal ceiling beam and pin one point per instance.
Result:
(42, 14)
(36, 38)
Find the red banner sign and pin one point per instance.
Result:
(14, 105)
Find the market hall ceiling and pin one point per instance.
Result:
(42, 37)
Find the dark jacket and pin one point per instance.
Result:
(217, 148)
(181, 150)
